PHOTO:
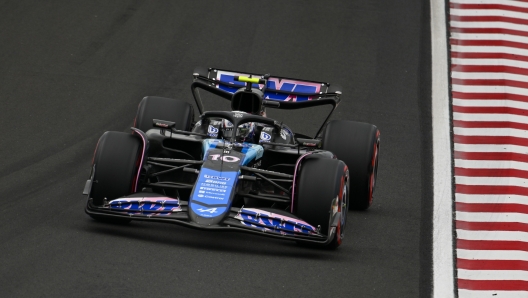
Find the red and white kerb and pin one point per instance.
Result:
(489, 76)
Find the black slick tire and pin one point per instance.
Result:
(115, 164)
(321, 181)
(161, 108)
(357, 144)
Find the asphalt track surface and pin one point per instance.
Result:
(70, 70)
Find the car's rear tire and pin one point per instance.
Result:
(357, 144)
(168, 109)
(320, 181)
(116, 166)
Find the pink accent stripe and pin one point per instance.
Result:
(142, 156)
(295, 176)
(145, 199)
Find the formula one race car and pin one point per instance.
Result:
(237, 170)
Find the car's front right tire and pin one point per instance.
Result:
(115, 165)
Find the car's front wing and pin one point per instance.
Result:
(250, 220)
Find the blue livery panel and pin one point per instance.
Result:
(215, 188)
(212, 193)
(311, 89)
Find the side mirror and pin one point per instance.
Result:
(271, 103)
(163, 123)
(312, 143)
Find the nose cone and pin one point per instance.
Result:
(214, 190)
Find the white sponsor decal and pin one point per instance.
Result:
(217, 177)
(283, 134)
(210, 210)
(217, 182)
(266, 137)
(212, 129)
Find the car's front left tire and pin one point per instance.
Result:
(357, 144)
(321, 181)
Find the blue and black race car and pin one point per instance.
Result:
(237, 170)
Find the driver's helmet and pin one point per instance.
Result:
(244, 132)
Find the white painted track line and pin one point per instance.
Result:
(492, 255)
(489, 89)
(490, 117)
(492, 235)
(491, 164)
(490, 103)
(492, 181)
(493, 217)
(491, 132)
(493, 62)
(499, 25)
(493, 274)
(514, 39)
(491, 148)
(495, 49)
(504, 2)
(488, 76)
(491, 199)
(443, 273)
(491, 294)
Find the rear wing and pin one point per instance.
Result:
(279, 92)
(288, 93)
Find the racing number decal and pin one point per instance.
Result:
(226, 158)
